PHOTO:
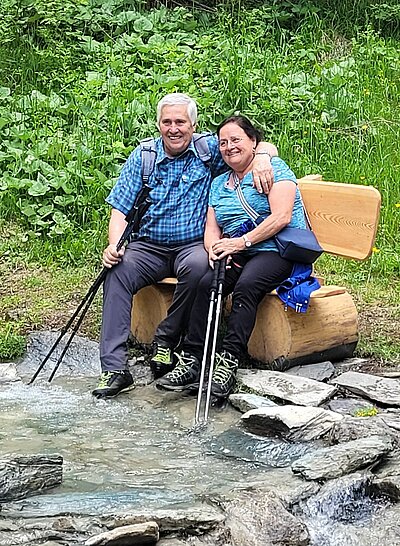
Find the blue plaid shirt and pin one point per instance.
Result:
(179, 195)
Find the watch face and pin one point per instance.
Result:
(247, 243)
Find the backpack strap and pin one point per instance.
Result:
(201, 144)
(149, 154)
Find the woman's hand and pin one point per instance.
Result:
(226, 247)
(111, 256)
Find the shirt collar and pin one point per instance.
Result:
(161, 155)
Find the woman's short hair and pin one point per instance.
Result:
(244, 123)
(173, 99)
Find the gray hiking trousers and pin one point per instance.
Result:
(144, 264)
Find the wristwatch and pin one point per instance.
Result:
(247, 243)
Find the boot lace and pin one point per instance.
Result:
(163, 355)
(225, 367)
(183, 366)
(103, 381)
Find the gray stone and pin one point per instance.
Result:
(319, 372)
(354, 428)
(390, 466)
(24, 476)
(129, 535)
(298, 390)
(392, 420)
(333, 498)
(349, 364)
(193, 520)
(259, 518)
(388, 486)
(8, 372)
(349, 406)
(290, 488)
(141, 373)
(295, 423)
(336, 461)
(380, 389)
(81, 350)
(268, 451)
(245, 402)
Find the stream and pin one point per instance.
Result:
(140, 450)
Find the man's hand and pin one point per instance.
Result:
(111, 256)
(263, 174)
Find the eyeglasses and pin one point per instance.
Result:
(234, 140)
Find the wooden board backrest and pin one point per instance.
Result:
(344, 217)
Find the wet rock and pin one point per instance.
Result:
(97, 503)
(389, 486)
(298, 390)
(291, 489)
(353, 428)
(193, 520)
(295, 423)
(391, 419)
(129, 535)
(246, 402)
(336, 461)
(380, 389)
(81, 359)
(349, 406)
(272, 452)
(141, 373)
(319, 372)
(390, 466)
(258, 518)
(24, 476)
(8, 372)
(350, 364)
(337, 498)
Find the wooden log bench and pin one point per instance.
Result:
(345, 218)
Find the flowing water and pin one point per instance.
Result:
(138, 449)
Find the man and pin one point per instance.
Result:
(169, 242)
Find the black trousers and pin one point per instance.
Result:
(261, 273)
(144, 264)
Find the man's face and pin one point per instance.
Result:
(176, 129)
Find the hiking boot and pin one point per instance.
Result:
(112, 383)
(184, 376)
(162, 361)
(224, 375)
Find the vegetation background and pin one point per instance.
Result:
(79, 81)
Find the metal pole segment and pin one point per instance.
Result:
(72, 335)
(216, 289)
(213, 292)
(221, 280)
(142, 202)
(94, 288)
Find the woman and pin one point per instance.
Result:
(255, 264)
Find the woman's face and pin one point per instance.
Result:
(237, 149)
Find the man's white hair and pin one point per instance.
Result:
(172, 99)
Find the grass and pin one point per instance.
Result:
(79, 82)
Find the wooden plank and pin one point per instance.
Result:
(344, 217)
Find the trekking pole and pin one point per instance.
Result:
(142, 202)
(213, 293)
(220, 276)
